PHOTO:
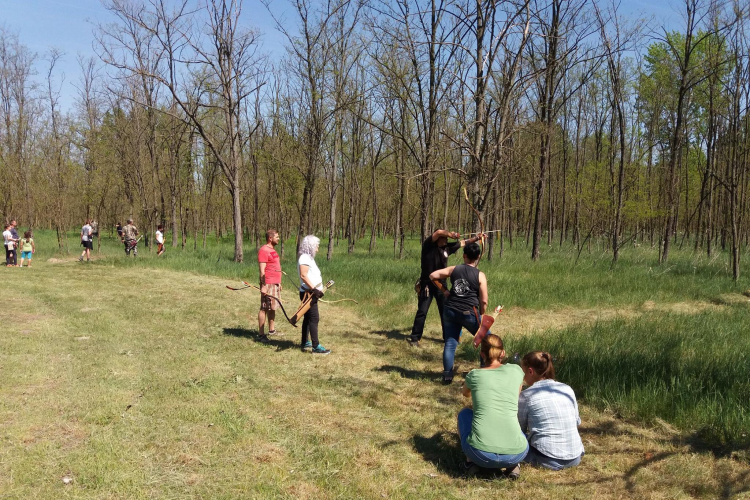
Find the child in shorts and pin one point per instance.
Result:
(27, 248)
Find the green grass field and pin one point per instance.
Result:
(141, 378)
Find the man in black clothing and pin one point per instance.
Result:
(435, 252)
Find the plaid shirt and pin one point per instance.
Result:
(548, 414)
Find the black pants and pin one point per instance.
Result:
(310, 323)
(427, 292)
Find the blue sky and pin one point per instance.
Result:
(68, 25)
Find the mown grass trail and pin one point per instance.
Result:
(139, 381)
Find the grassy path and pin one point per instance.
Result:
(149, 384)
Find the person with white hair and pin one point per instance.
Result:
(311, 281)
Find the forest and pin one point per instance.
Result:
(547, 122)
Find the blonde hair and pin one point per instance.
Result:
(492, 348)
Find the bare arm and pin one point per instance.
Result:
(483, 295)
(465, 391)
(440, 275)
(262, 276)
(442, 232)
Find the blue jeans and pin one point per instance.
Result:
(535, 457)
(483, 458)
(453, 321)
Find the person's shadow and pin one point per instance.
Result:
(444, 450)
(278, 343)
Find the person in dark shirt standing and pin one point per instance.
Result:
(435, 252)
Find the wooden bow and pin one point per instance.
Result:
(281, 304)
(481, 224)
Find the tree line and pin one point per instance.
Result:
(562, 121)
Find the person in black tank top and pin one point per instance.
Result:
(465, 303)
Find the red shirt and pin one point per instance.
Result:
(269, 256)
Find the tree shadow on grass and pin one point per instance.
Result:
(411, 374)
(400, 334)
(695, 442)
(280, 345)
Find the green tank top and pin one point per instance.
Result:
(26, 245)
(494, 394)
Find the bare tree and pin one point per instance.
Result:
(208, 66)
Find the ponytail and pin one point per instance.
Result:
(492, 348)
(541, 363)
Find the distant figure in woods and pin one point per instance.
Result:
(87, 241)
(435, 252)
(10, 246)
(548, 414)
(311, 281)
(94, 228)
(14, 234)
(159, 240)
(269, 266)
(130, 238)
(490, 435)
(465, 303)
(118, 228)
(27, 248)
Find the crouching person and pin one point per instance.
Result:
(491, 437)
(548, 414)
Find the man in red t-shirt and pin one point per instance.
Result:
(270, 284)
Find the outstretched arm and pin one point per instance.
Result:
(438, 276)
(444, 233)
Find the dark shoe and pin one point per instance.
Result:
(321, 350)
(413, 343)
(513, 473)
(448, 376)
(469, 469)
(263, 339)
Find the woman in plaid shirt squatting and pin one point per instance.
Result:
(548, 414)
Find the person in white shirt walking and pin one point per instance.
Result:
(159, 240)
(548, 414)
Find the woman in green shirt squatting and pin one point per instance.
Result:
(491, 437)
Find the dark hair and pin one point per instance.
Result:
(472, 251)
(160, 227)
(27, 235)
(541, 363)
(270, 233)
(492, 348)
